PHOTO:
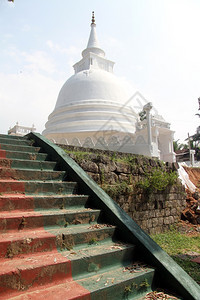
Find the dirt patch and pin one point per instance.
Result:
(187, 228)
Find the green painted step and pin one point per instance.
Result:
(50, 187)
(37, 187)
(32, 241)
(25, 174)
(26, 155)
(19, 148)
(62, 291)
(75, 235)
(117, 284)
(51, 261)
(60, 201)
(9, 141)
(84, 262)
(14, 137)
(33, 164)
(23, 220)
(99, 257)
(44, 202)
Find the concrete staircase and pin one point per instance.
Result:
(60, 240)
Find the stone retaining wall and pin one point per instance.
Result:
(119, 173)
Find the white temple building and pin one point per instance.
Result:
(19, 130)
(94, 110)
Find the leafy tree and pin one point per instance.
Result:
(179, 146)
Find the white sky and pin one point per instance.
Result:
(155, 44)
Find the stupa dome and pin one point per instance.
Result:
(92, 84)
(90, 101)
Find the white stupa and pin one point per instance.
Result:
(90, 98)
(93, 108)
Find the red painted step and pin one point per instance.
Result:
(35, 187)
(11, 187)
(2, 153)
(24, 220)
(21, 174)
(37, 270)
(29, 241)
(29, 276)
(67, 290)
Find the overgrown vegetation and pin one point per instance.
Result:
(120, 188)
(157, 180)
(179, 246)
(79, 155)
(155, 175)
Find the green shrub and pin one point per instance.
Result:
(157, 180)
(121, 188)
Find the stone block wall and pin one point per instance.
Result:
(157, 212)
(119, 173)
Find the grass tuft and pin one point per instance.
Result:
(180, 246)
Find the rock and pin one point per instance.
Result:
(123, 168)
(89, 166)
(111, 178)
(123, 177)
(95, 177)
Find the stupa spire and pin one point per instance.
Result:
(93, 43)
(93, 18)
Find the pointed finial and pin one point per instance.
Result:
(93, 18)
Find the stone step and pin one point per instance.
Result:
(26, 242)
(37, 187)
(23, 220)
(42, 240)
(117, 284)
(66, 290)
(112, 285)
(86, 262)
(98, 257)
(2, 154)
(32, 164)
(23, 174)
(20, 148)
(26, 155)
(14, 137)
(75, 235)
(27, 272)
(36, 202)
(7, 140)
(5, 163)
